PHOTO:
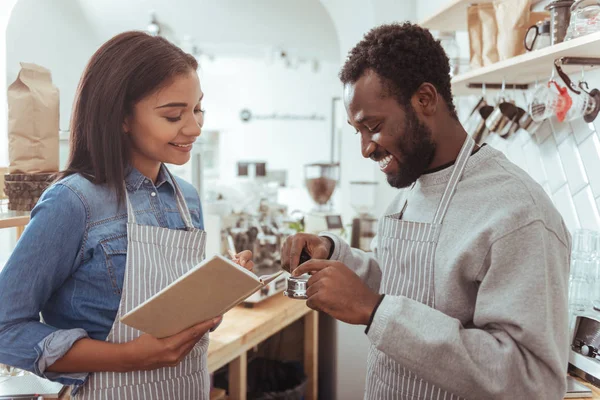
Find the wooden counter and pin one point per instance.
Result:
(595, 390)
(243, 328)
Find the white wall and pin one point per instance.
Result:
(230, 27)
(565, 159)
(7, 236)
(54, 35)
(233, 84)
(6, 8)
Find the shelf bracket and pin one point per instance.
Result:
(589, 61)
(559, 62)
(582, 86)
(518, 86)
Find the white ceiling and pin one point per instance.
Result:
(303, 28)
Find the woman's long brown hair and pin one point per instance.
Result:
(127, 68)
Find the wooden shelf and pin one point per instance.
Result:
(451, 17)
(13, 219)
(526, 68)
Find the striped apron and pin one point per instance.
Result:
(155, 257)
(406, 257)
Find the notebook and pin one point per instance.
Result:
(27, 386)
(208, 290)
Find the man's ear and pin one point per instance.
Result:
(425, 100)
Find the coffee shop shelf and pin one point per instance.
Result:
(14, 219)
(451, 17)
(528, 67)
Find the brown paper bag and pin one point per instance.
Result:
(489, 33)
(33, 119)
(474, 28)
(513, 18)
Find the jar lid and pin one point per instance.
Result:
(580, 4)
(559, 4)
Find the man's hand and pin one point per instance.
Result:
(317, 247)
(336, 290)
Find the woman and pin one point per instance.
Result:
(113, 230)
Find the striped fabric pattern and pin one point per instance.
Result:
(406, 258)
(156, 257)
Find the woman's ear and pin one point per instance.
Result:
(126, 125)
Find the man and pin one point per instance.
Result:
(465, 292)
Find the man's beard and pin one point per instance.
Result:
(417, 151)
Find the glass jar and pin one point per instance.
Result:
(584, 271)
(450, 46)
(585, 19)
(538, 36)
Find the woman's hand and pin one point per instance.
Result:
(147, 352)
(244, 259)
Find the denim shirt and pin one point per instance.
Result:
(69, 265)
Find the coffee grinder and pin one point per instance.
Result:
(321, 180)
(364, 225)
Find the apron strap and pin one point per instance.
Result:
(181, 205)
(457, 172)
(408, 195)
(130, 212)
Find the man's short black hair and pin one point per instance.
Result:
(405, 56)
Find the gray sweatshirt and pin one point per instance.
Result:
(499, 327)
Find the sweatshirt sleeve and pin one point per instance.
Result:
(364, 264)
(518, 346)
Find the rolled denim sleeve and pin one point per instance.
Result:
(45, 256)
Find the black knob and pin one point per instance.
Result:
(304, 257)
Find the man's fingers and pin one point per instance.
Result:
(314, 288)
(298, 243)
(311, 266)
(318, 250)
(314, 302)
(285, 254)
(317, 276)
